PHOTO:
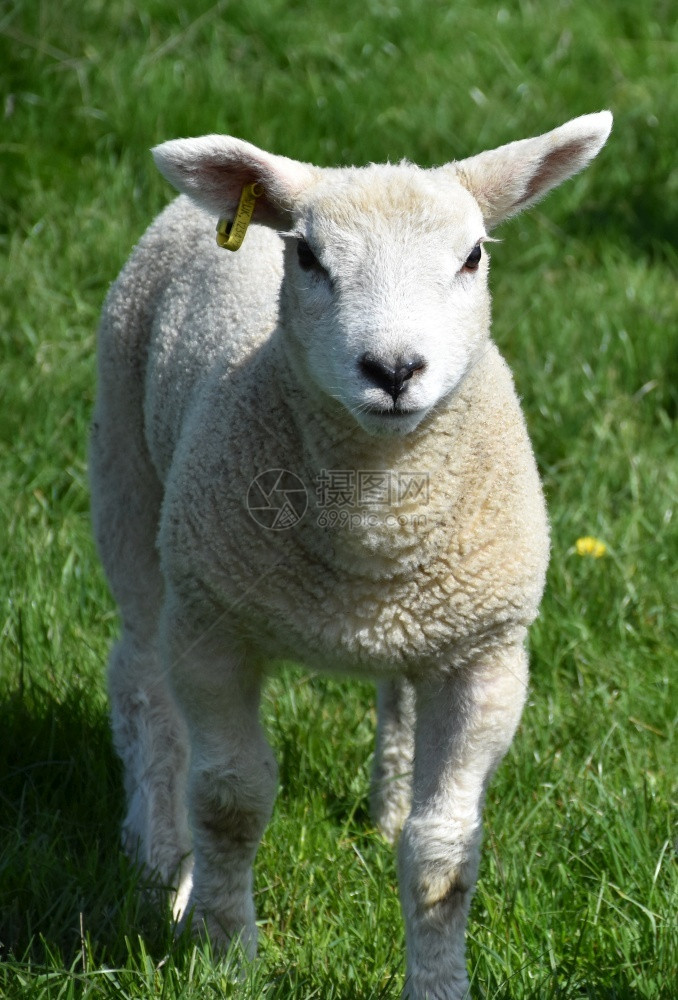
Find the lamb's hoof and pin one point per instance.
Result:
(422, 988)
(229, 940)
(182, 892)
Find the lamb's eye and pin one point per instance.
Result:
(307, 259)
(473, 259)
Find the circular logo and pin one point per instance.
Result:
(277, 499)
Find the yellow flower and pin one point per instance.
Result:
(590, 547)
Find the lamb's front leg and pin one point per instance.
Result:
(390, 793)
(465, 723)
(232, 783)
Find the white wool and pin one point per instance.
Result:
(347, 343)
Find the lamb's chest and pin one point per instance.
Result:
(335, 619)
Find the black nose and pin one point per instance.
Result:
(385, 377)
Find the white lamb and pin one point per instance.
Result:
(348, 343)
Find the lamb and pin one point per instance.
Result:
(310, 449)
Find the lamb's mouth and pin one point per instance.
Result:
(389, 420)
(391, 412)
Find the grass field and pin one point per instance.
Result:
(578, 889)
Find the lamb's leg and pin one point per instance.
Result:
(465, 724)
(391, 791)
(147, 731)
(150, 739)
(231, 789)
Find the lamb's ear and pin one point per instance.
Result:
(506, 180)
(214, 169)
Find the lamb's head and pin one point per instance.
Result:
(386, 290)
(385, 299)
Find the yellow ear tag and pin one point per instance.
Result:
(231, 234)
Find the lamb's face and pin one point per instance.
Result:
(386, 291)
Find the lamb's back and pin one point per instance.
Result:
(183, 307)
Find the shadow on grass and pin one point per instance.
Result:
(63, 879)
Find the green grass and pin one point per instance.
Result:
(578, 890)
